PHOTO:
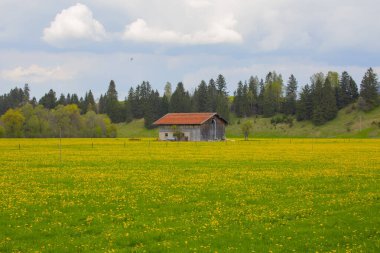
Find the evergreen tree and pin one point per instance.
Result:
(15, 98)
(369, 90)
(101, 105)
(152, 112)
(164, 108)
(74, 99)
(347, 92)
(61, 100)
(212, 94)
(26, 94)
(324, 102)
(68, 99)
(317, 91)
(329, 107)
(291, 96)
(112, 107)
(222, 101)
(305, 104)
(260, 98)
(202, 101)
(49, 100)
(180, 100)
(90, 102)
(238, 103)
(252, 96)
(245, 102)
(132, 102)
(221, 85)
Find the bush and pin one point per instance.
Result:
(363, 105)
(2, 131)
(376, 123)
(282, 119)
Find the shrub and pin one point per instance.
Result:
(282, 119)
(2, 131)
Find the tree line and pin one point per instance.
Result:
(318, 101)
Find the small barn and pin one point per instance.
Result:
(192, 126)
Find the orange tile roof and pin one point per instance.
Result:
(185, 118)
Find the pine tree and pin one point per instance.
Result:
(305, 104)
(291, 96)
(180, 100)
(221, 85)
(317, 91)
(212, 94)
(112, 106)
(237, 103)
(329, 107)
(347, 92)
(128, 115)
(49, 100)
(74, 99)
(101, 105)
(90, 102)
(369, 90)
(61, 100)
(202, 100)
(152, 112)
(222, 102)
(260, 98)
(164, 107)
(26, 94)
(252, 96)
(324, 102)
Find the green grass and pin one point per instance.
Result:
(135, 129)
(115, 195)
(349, 124)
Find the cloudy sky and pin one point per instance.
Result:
(75, 46)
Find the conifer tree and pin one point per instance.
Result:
(61, 100)
(49, 100)
(252, 96)
(305, 104)
(291, 96)
(369, 90)
(202, 97)
(180, 100)
(212, 94)
(347, 92)
(222, 101)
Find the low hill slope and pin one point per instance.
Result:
(350, 123)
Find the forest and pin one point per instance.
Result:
(71, 116)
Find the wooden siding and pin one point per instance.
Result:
(208, 130)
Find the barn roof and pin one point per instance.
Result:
(186, 118)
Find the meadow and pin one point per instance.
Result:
(117, 195)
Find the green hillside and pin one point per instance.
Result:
(350, 123)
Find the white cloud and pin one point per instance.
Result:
(36, 74)
(74, 25)
(198, 3)
(216, 33)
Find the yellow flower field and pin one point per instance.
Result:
(117, 195)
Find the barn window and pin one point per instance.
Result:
(166, 134)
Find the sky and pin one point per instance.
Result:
(72, 47)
